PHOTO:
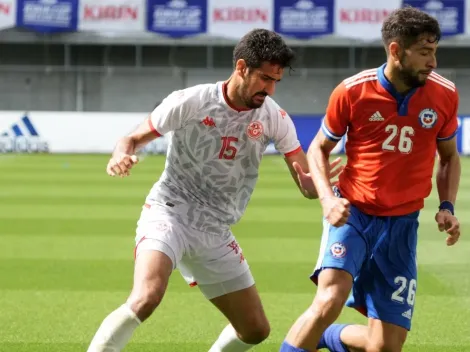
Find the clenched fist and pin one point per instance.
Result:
(336, 210)
(120, 165)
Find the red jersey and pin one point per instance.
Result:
(391, 139)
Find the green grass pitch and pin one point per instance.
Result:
(66, 260)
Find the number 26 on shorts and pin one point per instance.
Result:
(400, 294)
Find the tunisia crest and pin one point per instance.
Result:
(255, 130)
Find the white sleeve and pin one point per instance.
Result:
(172, 113)
(285, 134)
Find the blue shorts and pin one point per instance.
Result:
(380, 254)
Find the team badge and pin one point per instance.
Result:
(255, 130)
(338, 250)
(427, 118)
(161, 226)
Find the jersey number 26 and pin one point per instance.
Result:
(404, 143)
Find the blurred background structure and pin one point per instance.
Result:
(75, 75)
(131, 71)
(125, 56)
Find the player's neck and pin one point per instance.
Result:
(394, 78)
(232, 97)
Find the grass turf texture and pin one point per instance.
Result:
(66, 260)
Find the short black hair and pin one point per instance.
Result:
(405, 25)
(262, 45)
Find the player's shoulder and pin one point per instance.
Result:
(359, 79)
(194, 95)
(441, 86)
(351, 88)
(272, 107)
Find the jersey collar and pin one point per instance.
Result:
(223, 93)
(402, 100)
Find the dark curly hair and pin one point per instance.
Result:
(262, 45)
(406, 25)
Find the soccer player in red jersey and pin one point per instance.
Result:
(395, 118)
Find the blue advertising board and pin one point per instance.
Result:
(47, 16)
(449, 13)
(177, 18)
(303, 19)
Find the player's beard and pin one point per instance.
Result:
(409, 76)
(250, 99)
(252, 102)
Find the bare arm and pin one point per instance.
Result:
(299, 169)
(137, 139)
(448, 172)
(170, 115)
(123, 157)
(301, 159)
(317, 157)
(447, 179)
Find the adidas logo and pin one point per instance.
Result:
(407, 314)
(376, 117)
(22, 137)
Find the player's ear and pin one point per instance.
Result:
(394, 51)
(241, 68)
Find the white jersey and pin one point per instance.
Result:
(214, 154)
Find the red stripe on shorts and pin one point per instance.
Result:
(135, 249)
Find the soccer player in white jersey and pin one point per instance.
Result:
(218, 134)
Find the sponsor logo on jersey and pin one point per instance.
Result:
(376, 116)
(208, 121)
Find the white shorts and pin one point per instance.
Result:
(214, 262)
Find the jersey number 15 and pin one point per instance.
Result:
(228, 150)
(404, 143)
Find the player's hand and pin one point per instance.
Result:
(306, 182)
(336, 210)
(120, 165)
(450, 224)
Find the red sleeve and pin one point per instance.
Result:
(449, 129)
(336, 120)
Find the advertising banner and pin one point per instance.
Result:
(64, 132)
(47, 16)
(303, 19)
(449, 13)
(234, 18)
(7, 14)
(362, 19)
(177, 18)
(112, 15)
(90, 132)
